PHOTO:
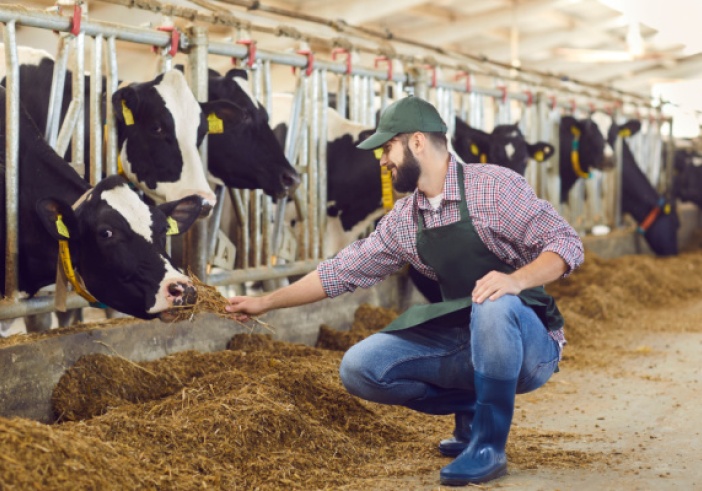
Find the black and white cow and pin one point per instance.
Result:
(657, 216)
(160, 125)
(505, 146)
(687, 176)
(354, 194)
(246, 153)
(116, 241)
(582, 146)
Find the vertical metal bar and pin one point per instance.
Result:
(58, 82)
(96, 137)
(313, 162)
(342, 94)
(78, 142)
(12, 106)
(112, 82)
(322, 152)
(196, 238)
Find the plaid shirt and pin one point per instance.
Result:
(513, 223)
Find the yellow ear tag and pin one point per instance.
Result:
(539, 156)
(172, 227)
(127, 114)
(378, 152)
(474, 149)
(61, 227)
(215, 125)
(624, 133)
(667, 209)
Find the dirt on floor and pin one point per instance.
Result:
(270, 415)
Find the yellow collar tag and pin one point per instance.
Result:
(474, 149)
(172, 227)
(61, 227)
(625, 132)
(539, 156)
(127, 114)
(65, 258)
(215, 124)
(386, 186)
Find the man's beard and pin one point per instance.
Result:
(407, 175)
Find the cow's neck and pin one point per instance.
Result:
(639, 196)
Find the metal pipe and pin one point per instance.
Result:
(12, 108)
(78, 141)
(58, 82)
(262, 273)
(96, 137)
(112, 83)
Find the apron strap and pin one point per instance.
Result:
(463, 206)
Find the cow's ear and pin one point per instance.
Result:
(475, 141)
(540, 151)
(222, 114)
(125, 103)
(237, 73)
(630, 128)
(58, 218)
(182, 214)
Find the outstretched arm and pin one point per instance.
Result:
(306, 290)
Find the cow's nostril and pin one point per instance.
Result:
(189, 295)
(290, 180)
(206, 209)
(175, 289)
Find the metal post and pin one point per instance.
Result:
(195, 241)
(12, 107)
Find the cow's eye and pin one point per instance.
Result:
(105, 233)
(157, 129)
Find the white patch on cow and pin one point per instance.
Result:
(336, 238)
(244, 84)
(510, 150)
(337, 125)
(135, 211)
(163, 300)
(25, 56)
(185, 110)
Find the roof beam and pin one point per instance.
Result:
(477, 24)
(360, 11)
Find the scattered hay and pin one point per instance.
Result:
(366, 321)
(209, 299)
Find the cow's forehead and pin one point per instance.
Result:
(178, 97)
(602, 121)
(137, 213)
(244, 85)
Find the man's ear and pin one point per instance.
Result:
(182, 213)
(58, 218)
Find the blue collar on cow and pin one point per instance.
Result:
(653, 214)
(575, 154)
(67, 265)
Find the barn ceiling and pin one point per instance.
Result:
(598, 43)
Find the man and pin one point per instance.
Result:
(491, 243)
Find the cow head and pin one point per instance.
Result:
(687, 176)
(160, 126)
(117, 243)
(243, 151)
(582, 146)
(505, 146)
(656, 216)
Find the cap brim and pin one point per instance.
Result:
(377, 139)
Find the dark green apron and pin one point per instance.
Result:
(460, 258)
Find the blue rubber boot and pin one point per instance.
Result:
(484, 459)
(452, 447)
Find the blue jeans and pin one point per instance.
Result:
(430, 368)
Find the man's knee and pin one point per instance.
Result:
(495, 314)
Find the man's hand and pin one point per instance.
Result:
(494, 285)
(246, 307)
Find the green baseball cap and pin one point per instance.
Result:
(404, 116)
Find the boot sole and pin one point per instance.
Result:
(456, 481)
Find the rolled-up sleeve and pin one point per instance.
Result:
(364, 262)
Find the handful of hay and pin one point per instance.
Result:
(208, 300)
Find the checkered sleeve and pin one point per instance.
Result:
(534, 223)
(364, 262)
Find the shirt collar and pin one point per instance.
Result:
(451, 191)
